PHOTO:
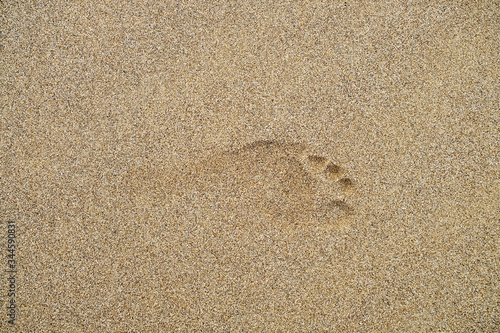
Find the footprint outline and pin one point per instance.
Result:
(322, 178)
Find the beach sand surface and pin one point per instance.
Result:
(269, 166)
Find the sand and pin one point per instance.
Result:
(270, 166)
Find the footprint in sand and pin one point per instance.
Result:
(267, 183)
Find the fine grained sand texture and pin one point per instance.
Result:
(250, 166)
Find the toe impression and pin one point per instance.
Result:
(333, 172)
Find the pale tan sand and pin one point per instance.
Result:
(122, 125)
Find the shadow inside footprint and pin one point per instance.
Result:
(342, 205)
